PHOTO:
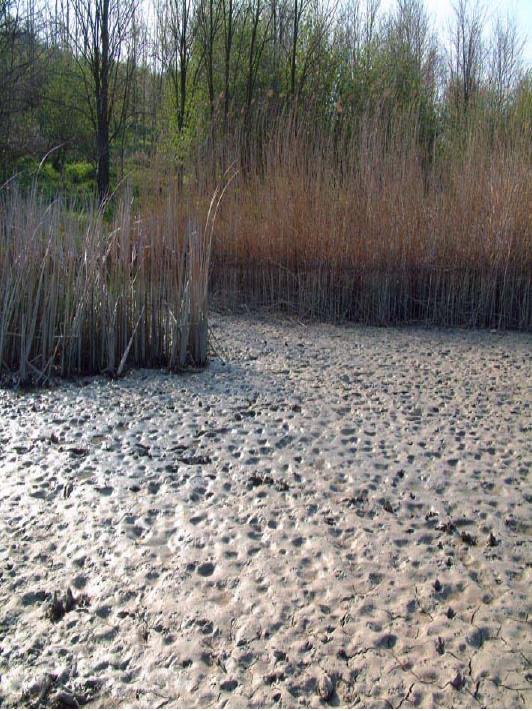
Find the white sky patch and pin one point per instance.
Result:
(441, 13)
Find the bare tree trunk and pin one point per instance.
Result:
(98, 34)
(209, 52)
(183, 65)
(21, 72)
(228, 43)
(293, 55)
(505, 60)
(102, 107)
(208, 23)
(466, 53)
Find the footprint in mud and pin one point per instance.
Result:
(104, 490)
(135, 531)
(205, 569)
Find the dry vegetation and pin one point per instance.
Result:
(383, 172)
(84, 294)
(358, 223)
(370, 228)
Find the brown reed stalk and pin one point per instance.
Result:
(363, 225)
(81, 296)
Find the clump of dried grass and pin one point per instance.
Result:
(81, 295)
(357, 224)
(364, 225)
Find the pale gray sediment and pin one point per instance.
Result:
(338, 515)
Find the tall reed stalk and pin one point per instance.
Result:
(367, 225)
(79, 295)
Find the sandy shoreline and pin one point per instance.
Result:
(335, 516)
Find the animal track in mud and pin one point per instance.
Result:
(205, 569)
(301, 524)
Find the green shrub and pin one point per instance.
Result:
(78, 173)
(29, 170)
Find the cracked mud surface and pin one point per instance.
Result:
(337, 516)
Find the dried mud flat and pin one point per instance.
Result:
(336, 516)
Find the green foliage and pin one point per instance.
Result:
(76, 180)
(29, 172)
(79, 173)
(343, 76)
(79, 180)
(63, 118)
(522, 114)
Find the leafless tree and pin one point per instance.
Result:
(21, 70)
(176, 19)
(466, 53)
(360, 24)
(505, 65)
(281, 29)
(410, 28)
(100, 35)
(318, 17)
(355, 35)
(228, 24)
(412, 45)
(255, 12)
(208, 25)
(297, 17)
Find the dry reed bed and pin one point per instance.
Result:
(362, 226)
(368, 229)
(81, 295)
